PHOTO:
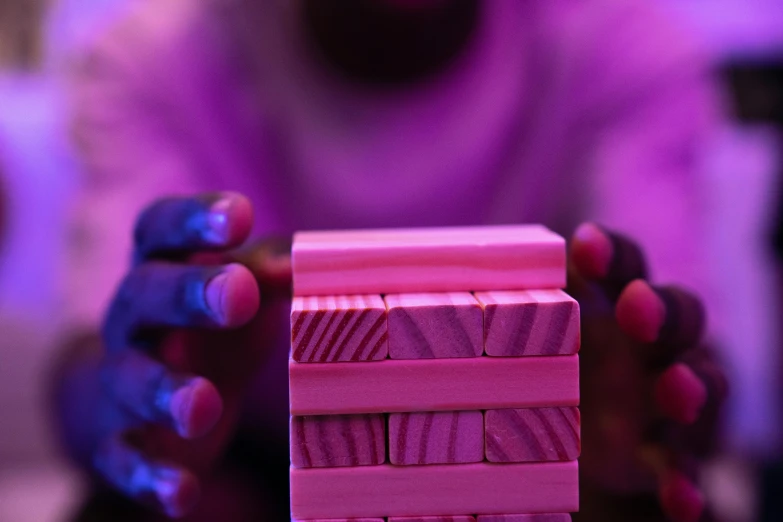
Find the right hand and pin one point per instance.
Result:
(184, 336)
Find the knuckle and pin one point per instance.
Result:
(685, 315)
(628, 260)
(172, 223)
(147, 220)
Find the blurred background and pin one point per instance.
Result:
(741, 184)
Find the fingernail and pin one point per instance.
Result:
(179, 408)
(698, 392)
(176, 491)
(680, 394)
(658, 316)
(196, 408)
(166, 491)
(217, 227)
(640, 312)
(681, 499)
(586, 232)
(601, 248)
(215, 296)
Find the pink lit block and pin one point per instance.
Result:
(540, 517)
(456, 518)
(342, 520)
(532, 435)
(434, 325)
(530, 322)
(433, 385)
(394, 261)
(437, 490)
(338, 328)
(449, 437)
(338, 440)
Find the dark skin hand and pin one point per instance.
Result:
(651, 391)
(182, 341)
(188, 330)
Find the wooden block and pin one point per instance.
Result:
(532, 435)
(449, 437)
(339, 328)
(539, 517)
(433, 385)
(530, 322)
(434, 325)
(437, 490)
(454, 518)
(341, 520)
(338, 440)
(427, 260)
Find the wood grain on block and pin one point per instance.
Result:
(447, 437)
(427, 260)
(434, 325)
(439, 489)
(342, 520)
(530, 322)
(450, 518)
(433, 385)
(338, 328)
(532, 435)
(338, 440)
(539, 517)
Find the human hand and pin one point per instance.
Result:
(650, 391)
(184, 336)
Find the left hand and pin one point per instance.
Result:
(651, 392)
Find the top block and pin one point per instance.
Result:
(506, 257)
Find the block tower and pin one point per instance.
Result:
(434, 376)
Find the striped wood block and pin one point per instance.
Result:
(530, 322)
(338, 328)
(450, 437)
(532, 435)
(434, 325)
(338, 440)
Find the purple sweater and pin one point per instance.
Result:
(558, 111)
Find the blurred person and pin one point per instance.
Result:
(20, 53)
(20, 33)
(359, 113)
(31, 158)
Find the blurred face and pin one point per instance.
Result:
(384, 43)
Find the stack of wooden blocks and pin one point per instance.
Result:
(434, 375)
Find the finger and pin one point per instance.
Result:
(680, 394)
(670, 317)
(270, 263)
(702, 438)
(681, 499)
(158, 294)
(705, 365)
(147, 389)
(685, 319)
(170, 488)
(640, 312)
(173, 226)
(610, 259)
